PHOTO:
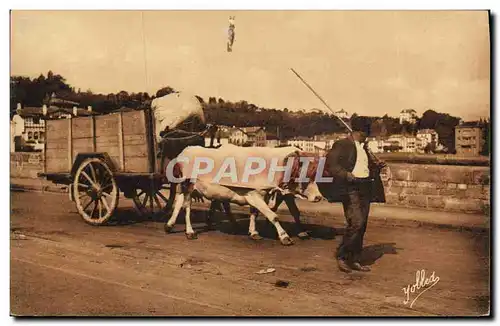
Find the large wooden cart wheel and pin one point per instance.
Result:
(154, 202)
(95, 191)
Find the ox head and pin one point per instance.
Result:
(308, 187)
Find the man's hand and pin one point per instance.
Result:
(381, 164)
(350, 177)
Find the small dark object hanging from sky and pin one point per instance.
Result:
(230, 34)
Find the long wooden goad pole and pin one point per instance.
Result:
(375, 158)
(321, 99)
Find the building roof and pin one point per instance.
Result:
(52, 111)
(469, 124)
(408, 111)
(426, 131)
(249, 130)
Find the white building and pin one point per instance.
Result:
(342, 114)
(408, 144)
(29, 122)
(311, 145)
(255, 136)
(426, 136)
(408, 115)
(376, 145)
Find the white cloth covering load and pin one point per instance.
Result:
(242, 156)
(173, 109)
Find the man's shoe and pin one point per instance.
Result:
(343, 266)
(358, 267)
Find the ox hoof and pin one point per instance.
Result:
(168, 228)
(191, 236)
(286, 241)
(303, 235)
(255, 236)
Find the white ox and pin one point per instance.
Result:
(230, 176)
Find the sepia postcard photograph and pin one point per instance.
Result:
(250, 163)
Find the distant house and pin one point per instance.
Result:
(407, 143)
(425, 137)
(469, 139)
(29, 122)
(272, 141)
(249, 136)
(408, 115)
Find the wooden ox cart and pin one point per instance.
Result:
(100, 156)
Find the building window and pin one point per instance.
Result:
(30, 135)
(36, 120)
(35, 135)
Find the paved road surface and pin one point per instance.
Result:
(62, 266)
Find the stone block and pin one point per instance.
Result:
(481, 177)
(401, 172)
(462, 186)
(412, 184)
(475, 192)
(426, 184)
(394, 190)
(399, 183)
(392, 199)
(417, 200)
(452, 185)
(421, 191)
(435, 202)
(464, 205)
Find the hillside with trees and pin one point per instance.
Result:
(34, 92)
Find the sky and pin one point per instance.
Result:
(368, 62)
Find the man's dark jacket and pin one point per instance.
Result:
(339, 161)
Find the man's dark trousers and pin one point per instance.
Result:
(356, 204)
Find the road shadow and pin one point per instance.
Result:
(374, 252)
(267, 230)
(221, 223)
(128, 216)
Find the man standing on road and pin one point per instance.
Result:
(356, 183)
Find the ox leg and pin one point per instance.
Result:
(294, 210)
(227, 209)
(179, 202)
(255, 200)
(190, 234)
(214, 205)
(252, 230)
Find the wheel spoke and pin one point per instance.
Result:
(145, 200)
(93, 209)
(83, 185)
(89, 179)
(92, 172)
(157, 202)
(100, 207)
(88, 204)
(139, 194)
(151, 204)
(105, 203)
(106, 194)
(162, 197)
(107, 186)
